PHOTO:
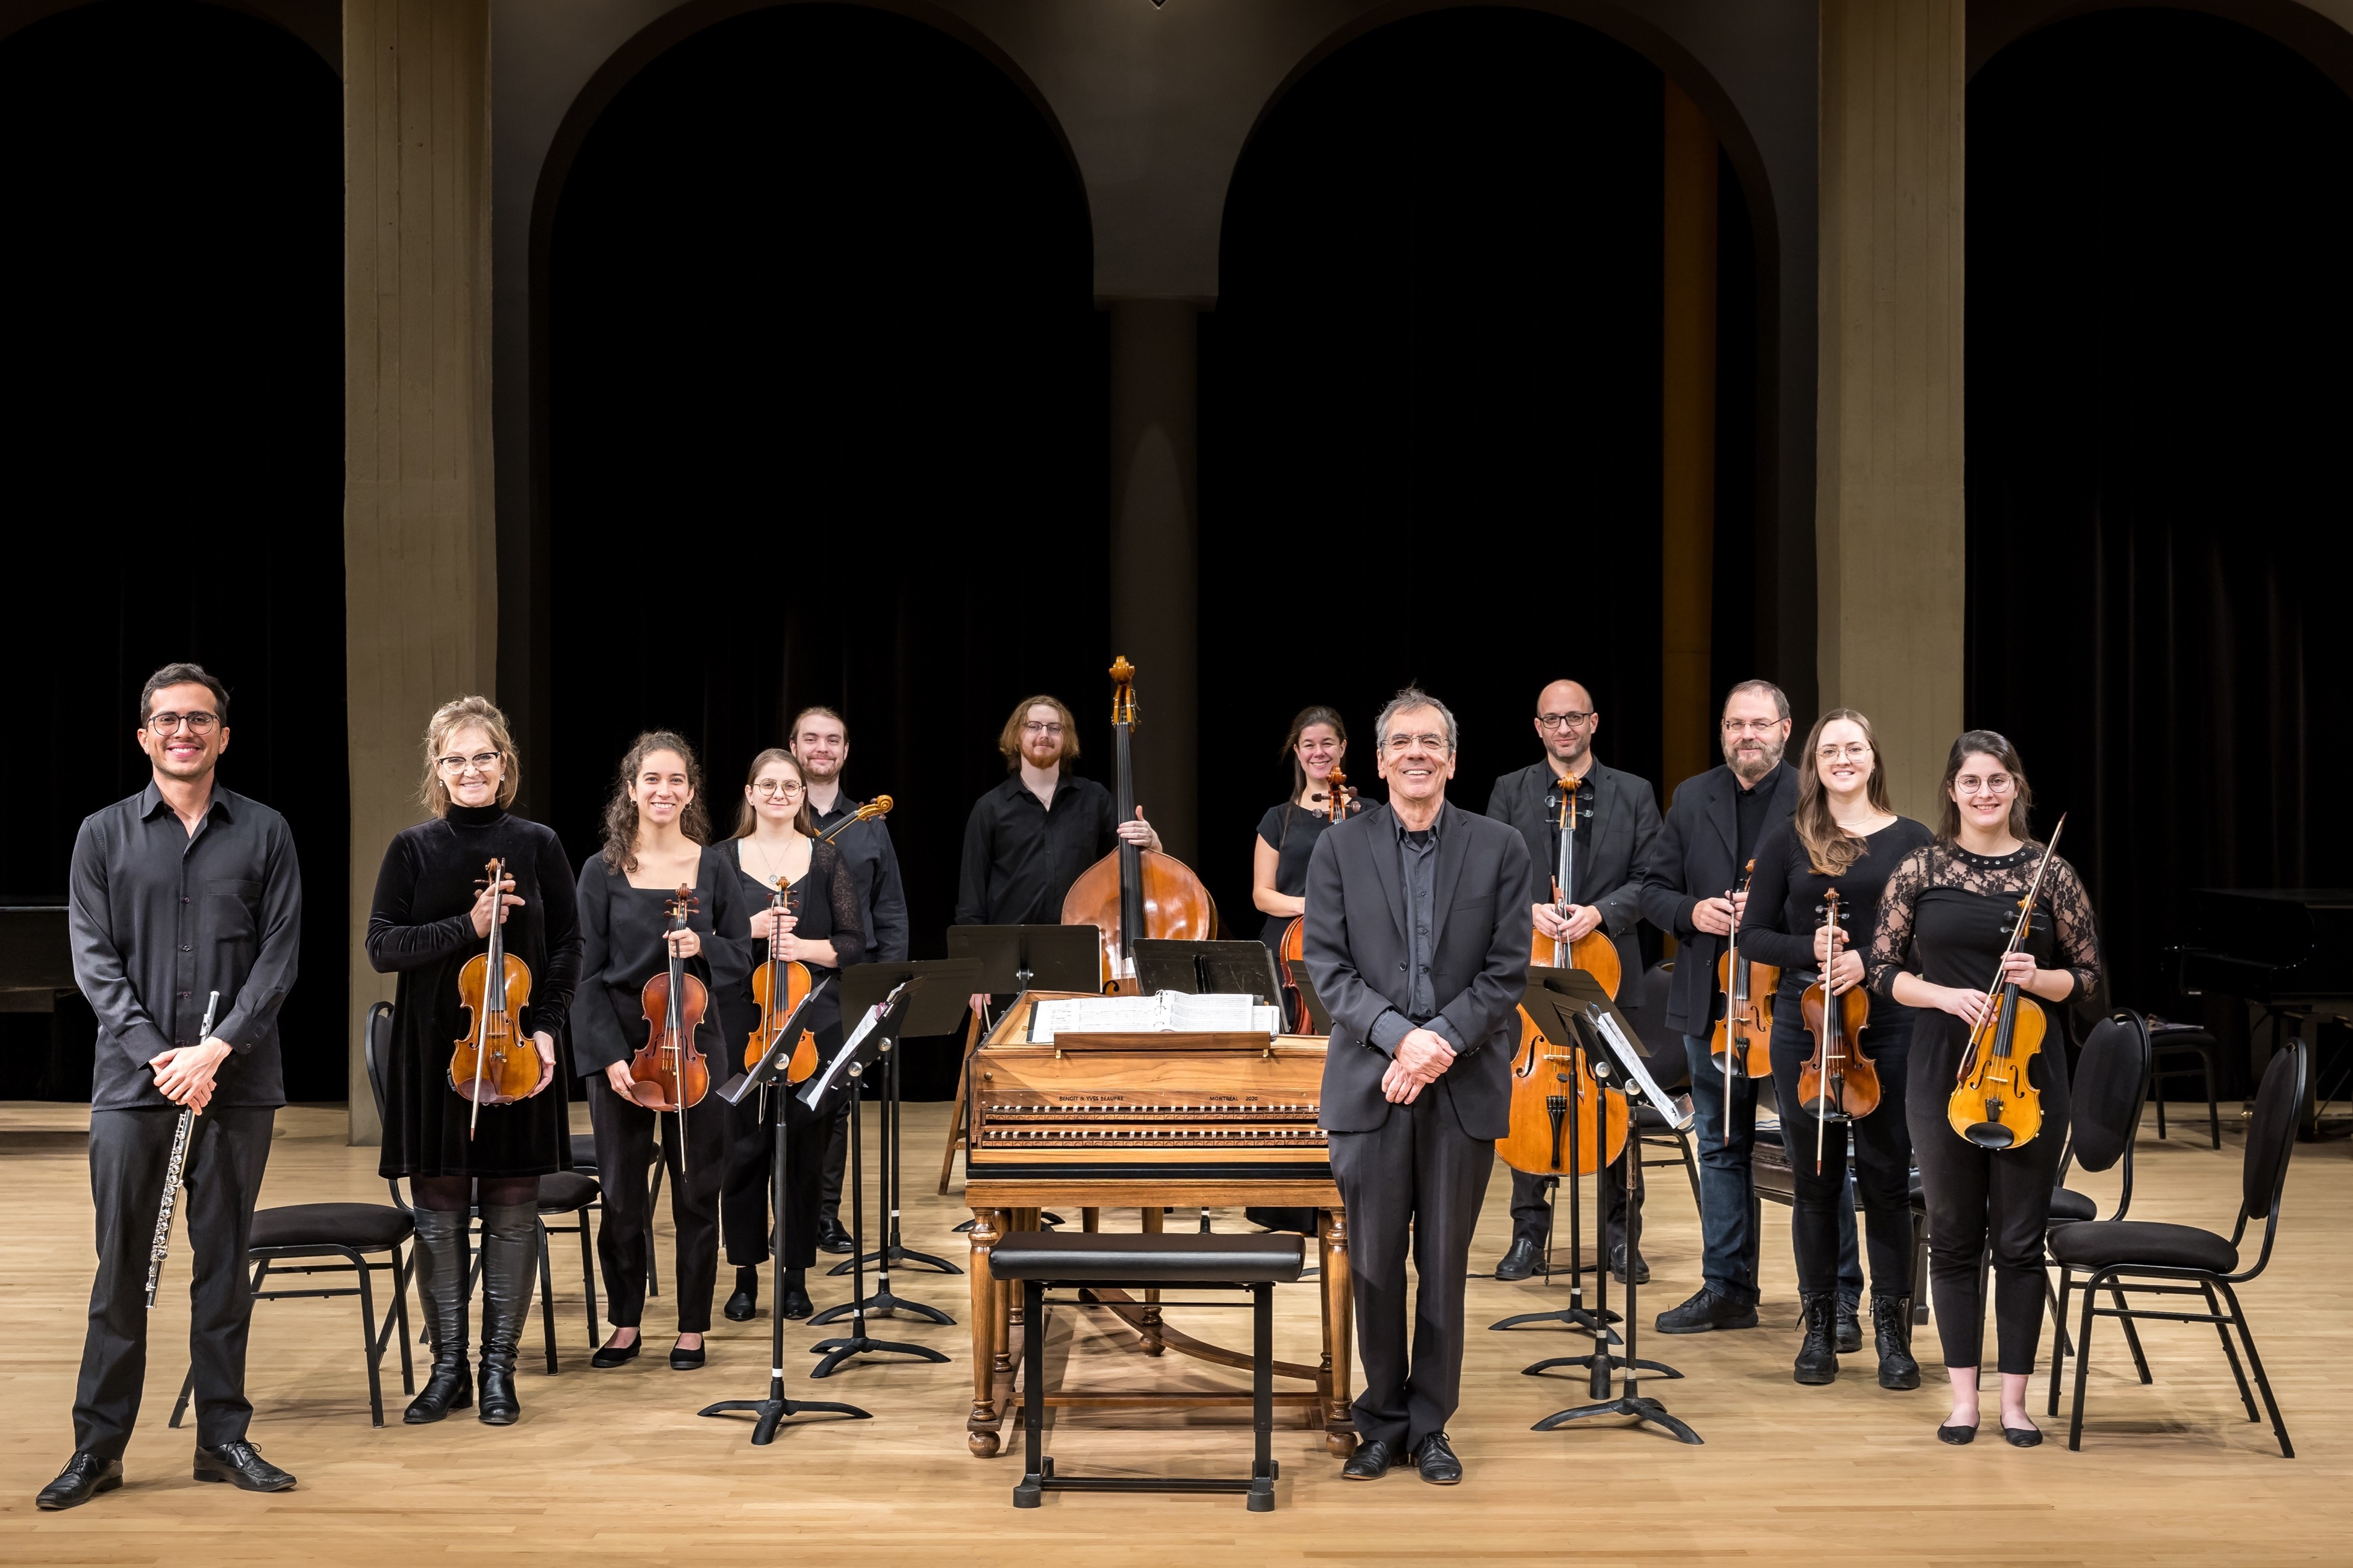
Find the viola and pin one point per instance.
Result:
(880, 806)
(1837, 1080)
(1560, 1115)
(1995, 1104)
(668, 1073)
(1743, 1041)
(1339, 801)
(1593, 952)
(1133, 891)
(495, 1063)
(779, 987)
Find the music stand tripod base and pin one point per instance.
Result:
(834, 1352)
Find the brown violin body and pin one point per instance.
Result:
(668, 1072)
(1996, 1106)
(495, 1063)
(1551, 1084)
(1742, 1043)
(779, 987)
(1836, 1079)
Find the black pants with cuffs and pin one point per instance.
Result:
(624, 1154)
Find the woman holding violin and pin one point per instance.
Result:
(1316, 746)
(804, 907)
(1943, 939)
(1832, 858)
(464, 1133)
(632, 923)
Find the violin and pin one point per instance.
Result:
(1593, 952)
(1743, 1043)
(779, 987)
(1837, 1080)
(668, 1073)
(1551, 1083)
(495, 1063)
(880, 806)
(1996, 1105)
(1292, 948)
(1133, 891)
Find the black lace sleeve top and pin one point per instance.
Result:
(2063, 934)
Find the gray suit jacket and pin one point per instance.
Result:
(1625, 821)
(1357, 957)
(1692, 861)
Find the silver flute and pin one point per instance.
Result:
(163, 1245)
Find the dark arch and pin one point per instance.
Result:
(170, 434)
(1994, 25)
(2160, 205)
(318, 23)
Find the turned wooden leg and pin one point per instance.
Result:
(1150, 1329)
(1339, 1334)
(981, 1427)
(1090, 1220)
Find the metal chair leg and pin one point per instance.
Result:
(395, 1321)
(2223, 1330)
(546, 1298)
(1261, 1490)
(2255, 1362)
(2132, 1335)
(2059, 1335)
(2213, 1110)
(587, 1278)
(1030, 1493)
(2083, 1363)
(368, 1346)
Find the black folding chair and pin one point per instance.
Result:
(2111, 1090)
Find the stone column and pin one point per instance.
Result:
(419, 561)
(1156, 553)
(1889, 521)
(1687, 442)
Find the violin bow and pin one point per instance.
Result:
(2026, 913)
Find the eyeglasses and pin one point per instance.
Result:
(1562, 721)
(1400, 745)
(768, 789)
(198, 723)
(1035, 728)
(1992, 783)
(1752, 726)
(1853, 752)
(480, 763)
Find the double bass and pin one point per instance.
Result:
(1995, 1105)
(494, 1064)
(1743, 1042)
(1133, 891)
(668, 1071)
(1837, 1080)
(1292, 948)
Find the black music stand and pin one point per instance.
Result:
(1013, 959)
(1595, 1320)
(1208, 968)
(1579, 1002)
(776, 1409)
(878, 1029)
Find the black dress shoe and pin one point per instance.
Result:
(798, 1304)
(1618, 1266)
(1436, 1461)
(611, 1355)
(1849, 1325)
(1370, 1462)
(84, 1477)
(242, 1464)
(1706, 1311)
(831, 1237)
(1957, 1436)
(1520, 1262)
(2022, 1437)
(684, 1360)
(744, 1305)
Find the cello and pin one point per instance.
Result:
(493, 1063)
(1133, 891)
(1292, 948)
(1549, 1084)
(668, 1072)
(1995, 1106)
(1837, 1080)
(780, 985)
(1593, 952)
(1743, 1043)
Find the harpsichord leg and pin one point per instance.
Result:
(981, 1430)
(1339, 1334)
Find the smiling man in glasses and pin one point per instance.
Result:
(184, 889)
(1417, 943)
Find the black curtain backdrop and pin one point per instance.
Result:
(170, 430)
(2160, 217)
(828, 427)
(1431, 445)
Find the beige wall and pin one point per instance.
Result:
(1888, 515)
(420, 583)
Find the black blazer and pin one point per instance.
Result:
(1356, 955)
(1625, 822)
(1693, 859)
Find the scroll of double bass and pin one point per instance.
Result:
(1996, 1106)
(494, 1064)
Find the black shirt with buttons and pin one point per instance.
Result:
(1020, 859)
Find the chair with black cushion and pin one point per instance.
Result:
(2176, 1040)
(2184, 1260)
(1648, 1013)
(2110, 1091)
(1085, 1260)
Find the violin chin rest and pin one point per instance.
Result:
(1991, 1135)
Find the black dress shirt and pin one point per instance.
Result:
(873, 863)
(1750, 805)
(1418, 873)
(1019, 859)
(160, 919)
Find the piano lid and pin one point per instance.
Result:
(2270, 944)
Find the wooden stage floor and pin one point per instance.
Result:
(615, 1466)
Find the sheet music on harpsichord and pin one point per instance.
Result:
(1166, 1012)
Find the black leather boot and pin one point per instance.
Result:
(1850, 1323)
(441, 1264)
(1818, 1355)
(510, 1253)
(1891, 1321)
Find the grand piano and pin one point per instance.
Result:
(2286, 951)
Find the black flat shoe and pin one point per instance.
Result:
(1519, 1262)
(2022, 1437)
(1958, 1436)
(242, 1464)
(84, 1477)
(683, 1359)
(831, 1237)
(1370, 1462)
(1436, 1461)
(609, 1356)
(744, 1305)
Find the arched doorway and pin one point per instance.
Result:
(2160, 207)
(1431, 405)
(170, 431)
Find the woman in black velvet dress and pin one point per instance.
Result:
(432, 912)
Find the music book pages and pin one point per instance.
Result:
(1166, 1012)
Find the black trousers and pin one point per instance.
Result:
(1883, 1164)
(751, 1155)
(625, 1157)
(1975, 1195)
(1412, 1187)
(1531, 1215)
(228, 1148)
(837, 1159)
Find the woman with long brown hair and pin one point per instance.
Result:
(656, 834)
(433, 912)
(1845, 838)
(1317, 743)
(775, 846)
(1945, 925)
